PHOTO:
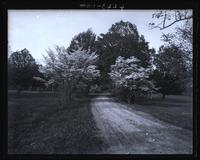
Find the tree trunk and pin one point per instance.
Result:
(163, 96)
(133, 97)
(68, 96)
(128, 100)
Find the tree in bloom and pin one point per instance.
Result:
(129, 76)
(70, 70)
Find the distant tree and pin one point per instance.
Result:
(122, 39)
(171, 70)
(70, 70)
(21, 69)
(130, 78)
(84, 40)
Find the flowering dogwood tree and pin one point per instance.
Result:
(129, 75)
(70, 69)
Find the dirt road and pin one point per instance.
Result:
(126, 131)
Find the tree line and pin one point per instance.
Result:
(120, 61)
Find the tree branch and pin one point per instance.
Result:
(178, 16)
(186, 18)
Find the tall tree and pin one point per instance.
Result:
(22, 68)
(171, 70)
(181, 38)
(84, 40)
(122, 39)
(183, 35)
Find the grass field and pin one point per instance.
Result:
(38, 124)
(174, 109)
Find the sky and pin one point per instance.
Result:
(37, 30)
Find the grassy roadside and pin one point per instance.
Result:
(37, 125)
(176, 110)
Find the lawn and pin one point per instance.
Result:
(174, 109)
(38, 125)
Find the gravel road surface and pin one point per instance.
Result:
(126, 131)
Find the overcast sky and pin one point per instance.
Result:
(37, 30)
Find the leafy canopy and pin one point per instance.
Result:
(127, 73)
(22, 68)
(69, 69)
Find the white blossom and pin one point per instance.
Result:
(70, 68)
(128, 73)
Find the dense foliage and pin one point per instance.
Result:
(22, 68)
(171, 70)
(72, 71)
(130, 78)
(84, 40)
(122, 39)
